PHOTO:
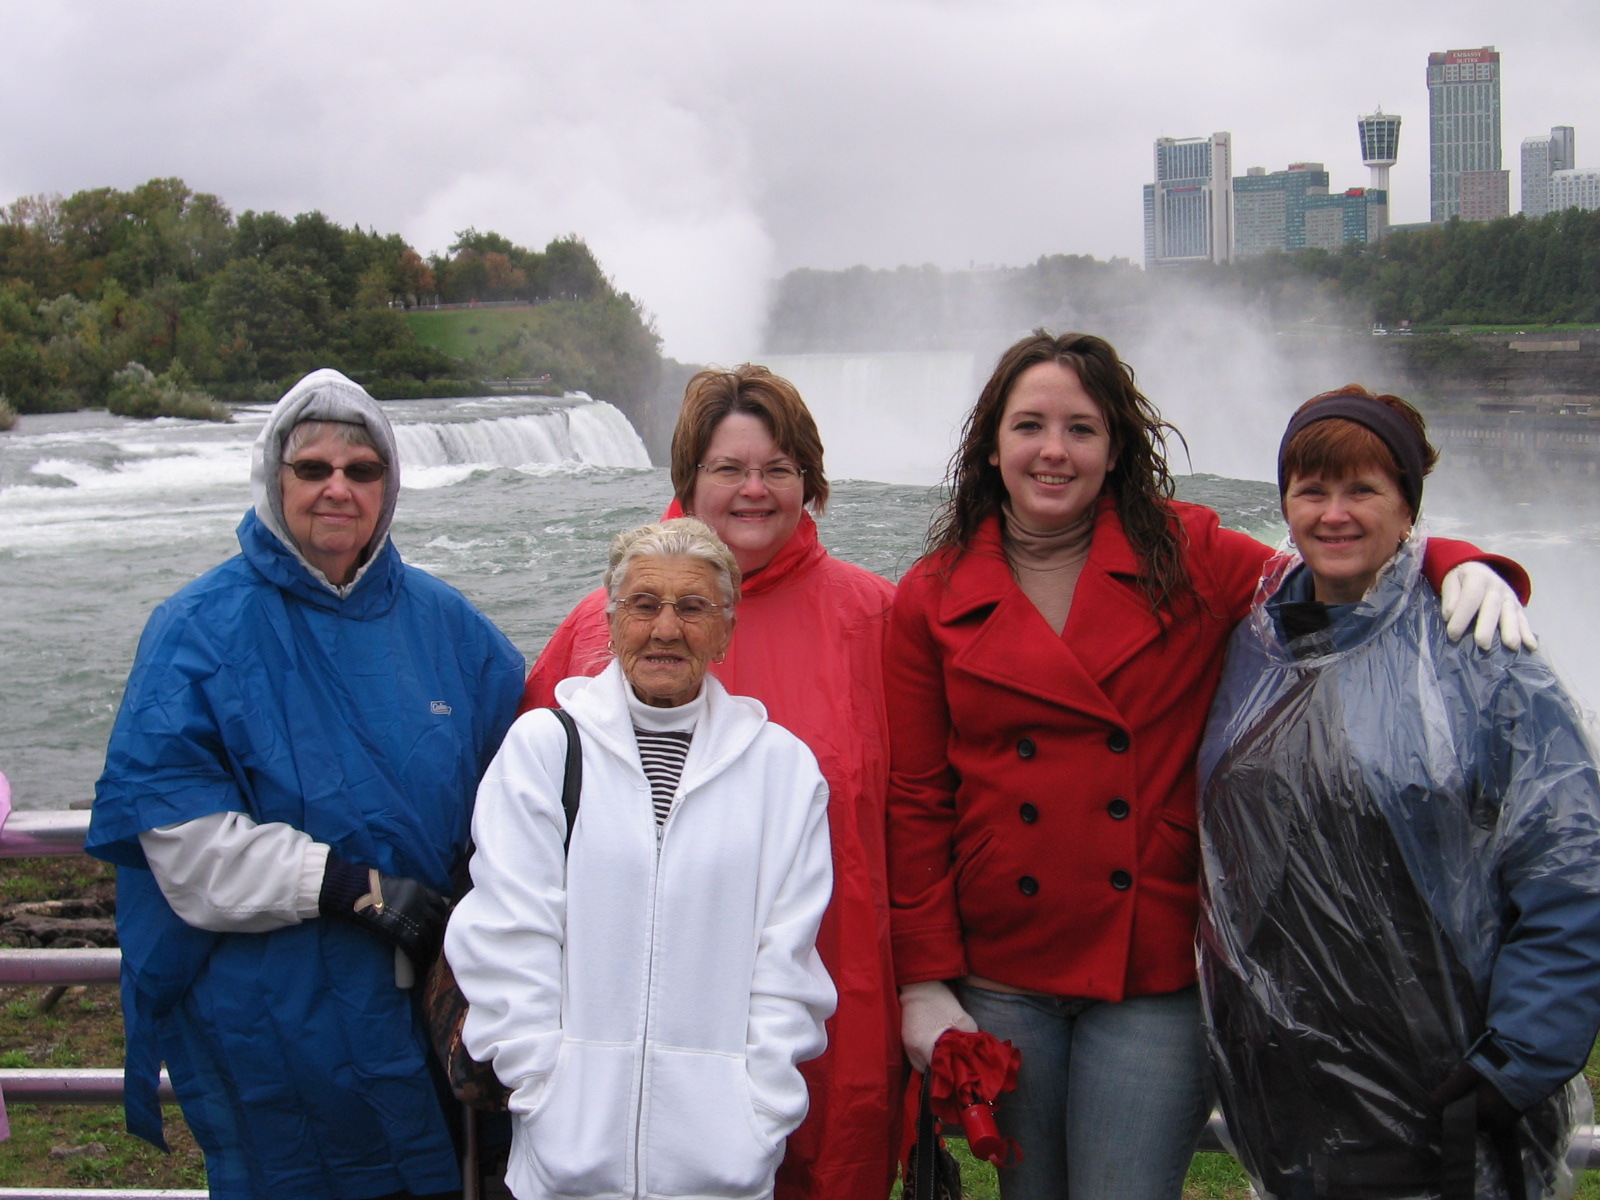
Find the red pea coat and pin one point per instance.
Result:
(1042, 787)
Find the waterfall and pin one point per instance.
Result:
(92, 477)
(589, 431)
(891, 417)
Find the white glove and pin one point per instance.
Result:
(926, 1011)
(1475, 590)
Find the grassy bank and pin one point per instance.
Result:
(474, 333)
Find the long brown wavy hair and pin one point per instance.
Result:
(1140, 482)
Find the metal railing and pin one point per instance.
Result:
(61, 834)
(44, 834)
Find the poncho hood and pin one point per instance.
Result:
(323, 395)
(1381, 605)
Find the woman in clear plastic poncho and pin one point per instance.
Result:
(1400, 934)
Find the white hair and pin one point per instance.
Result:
(683, 537)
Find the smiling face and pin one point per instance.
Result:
(1052, 447)
(1346, 528)
(665, 659)
(331, 520)
(753, 519)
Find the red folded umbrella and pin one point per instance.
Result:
(969, 1071)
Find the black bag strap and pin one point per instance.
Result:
(572, 784)
(1458, 1150)
(571, 792)
(1459, 1153)
(926, 1148)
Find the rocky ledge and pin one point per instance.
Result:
(75, 924)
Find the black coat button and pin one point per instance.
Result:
(1029, 813)
(1121, 880)
(1118, 741)
(1118, 809)
(1026, 748)
(1028, 885)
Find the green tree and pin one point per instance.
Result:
(271, 322)
(569, 271)
(26, 381)
(31, 246)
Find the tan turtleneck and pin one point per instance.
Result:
(1046, 563)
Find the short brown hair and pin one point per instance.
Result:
(714, 394)
(1340, 448)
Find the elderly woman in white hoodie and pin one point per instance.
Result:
(648, 1000)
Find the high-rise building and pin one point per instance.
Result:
(1575, 188)
(1353, 215)
(1485, 195)
(1535, 176)
(1292, 210)
(1463, 124)
(1189, 208)
(1269, 211)
(1541, 157)
(1563, 148)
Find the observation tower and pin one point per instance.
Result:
(1380, 145)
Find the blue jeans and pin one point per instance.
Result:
(1110, 1099)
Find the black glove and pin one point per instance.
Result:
(401, 911)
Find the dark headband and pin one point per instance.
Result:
(1393, 430)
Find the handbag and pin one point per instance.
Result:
(444, 1008)
(932, 1172)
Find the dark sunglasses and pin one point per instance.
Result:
(314, 470)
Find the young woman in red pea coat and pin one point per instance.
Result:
(1049, 665)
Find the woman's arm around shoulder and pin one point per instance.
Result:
(1227, 563)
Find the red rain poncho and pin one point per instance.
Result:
(808, 644)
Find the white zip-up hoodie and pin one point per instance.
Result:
(647, 1002)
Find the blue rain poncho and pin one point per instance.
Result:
(364, 719)
(1401, 873)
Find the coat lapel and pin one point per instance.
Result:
(1110, 622)
(1015, 649)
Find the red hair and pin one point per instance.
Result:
(1341, 448)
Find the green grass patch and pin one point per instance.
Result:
(1508, 328)
(80, 1145)
(462, 333)
(91, 1149)
(53, 878)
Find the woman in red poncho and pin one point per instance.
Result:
(747, 460)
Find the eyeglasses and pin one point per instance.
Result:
(314, 470)
(647, 606)
(726, 473)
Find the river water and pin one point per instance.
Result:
(513, 501)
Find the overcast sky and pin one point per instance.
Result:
(704, 147)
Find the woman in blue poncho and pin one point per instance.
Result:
(1400, 931)
(287, 788)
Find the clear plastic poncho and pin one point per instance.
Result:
(1401, 873)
